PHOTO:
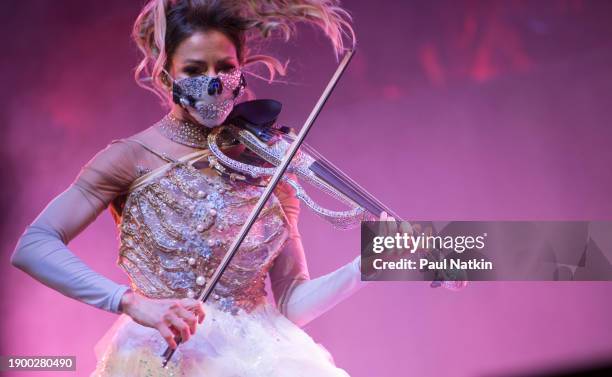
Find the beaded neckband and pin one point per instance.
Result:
(183, 132)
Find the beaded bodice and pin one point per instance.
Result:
(176, 228)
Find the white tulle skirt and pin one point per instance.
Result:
(260, 343)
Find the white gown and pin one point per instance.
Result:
(262, 343)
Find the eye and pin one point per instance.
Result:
(191, 70)
(226, 67)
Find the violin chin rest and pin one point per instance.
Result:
(259, 112)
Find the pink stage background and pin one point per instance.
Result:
(450, 110)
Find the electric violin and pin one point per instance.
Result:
(269, 143)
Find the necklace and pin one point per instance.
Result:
(183, 132)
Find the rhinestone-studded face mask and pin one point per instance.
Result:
(209, 99)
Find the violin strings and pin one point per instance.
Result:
(340, 175)
(355, 186)
(337, 173)
(343, 177)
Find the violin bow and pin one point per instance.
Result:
(280, 170)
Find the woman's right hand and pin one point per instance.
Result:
(170, 317)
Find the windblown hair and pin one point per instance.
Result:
(163, 24)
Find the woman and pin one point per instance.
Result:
(176, 214)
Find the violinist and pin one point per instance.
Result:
(176, 215)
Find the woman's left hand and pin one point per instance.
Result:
(391, 226)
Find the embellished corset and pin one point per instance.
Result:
(176, 228)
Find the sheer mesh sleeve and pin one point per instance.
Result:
(290, 265)
(42, 250)
(298, 297)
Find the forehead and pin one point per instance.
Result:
(208, 46)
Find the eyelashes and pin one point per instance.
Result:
(226, 67)
(190, 71)
(193, 70)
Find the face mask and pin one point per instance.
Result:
(209, 99)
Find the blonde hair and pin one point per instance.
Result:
(163, 24)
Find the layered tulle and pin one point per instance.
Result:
(260, 343)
